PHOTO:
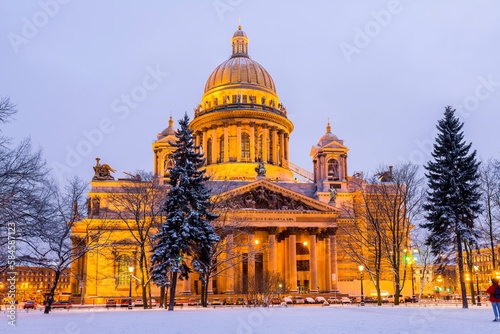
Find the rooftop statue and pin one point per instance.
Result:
(102, 172)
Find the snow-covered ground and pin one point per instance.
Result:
(299, 319)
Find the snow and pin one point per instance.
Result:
(237, 320)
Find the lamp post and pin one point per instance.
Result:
(477, 283)
(362, 297)
(130, 269)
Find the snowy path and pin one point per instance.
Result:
(312, 319)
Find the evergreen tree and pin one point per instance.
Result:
(187, 224)
(453, 196)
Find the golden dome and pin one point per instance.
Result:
(239, 70)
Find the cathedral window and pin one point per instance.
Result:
(245, 147)
(122, 273)
(235, 97)
(244, 99)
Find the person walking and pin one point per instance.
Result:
(494, 292)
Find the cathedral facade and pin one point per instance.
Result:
(290, 226)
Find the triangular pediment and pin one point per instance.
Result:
(268, 196)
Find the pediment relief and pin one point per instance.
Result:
(262, 198)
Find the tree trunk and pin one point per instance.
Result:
(143, 283)
(52, 292)
(162, 296)
(461, 272)
(492, 240)
(148, 280)
(377, 287)
(203, 287)
(468, 252)
(165, 297)
(172, 291)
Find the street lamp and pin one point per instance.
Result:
(477, 283)
(130, 269)
(362, 297)
(440, 279)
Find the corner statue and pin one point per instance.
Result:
(102, 172)
(260, 169)
(333, 195)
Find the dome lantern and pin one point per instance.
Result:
(240, 43)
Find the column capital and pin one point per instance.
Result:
(238, 124)
(274, 128)
(331, 231)
(312, 230)
(264, 125)
(252, 124)
(292, 230)
(226, 124)
(286, 134)
(214, 126)
(281, 131)
(272, 229)
(249, 230)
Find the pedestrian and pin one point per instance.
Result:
(494, 292)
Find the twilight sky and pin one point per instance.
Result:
(101, 78)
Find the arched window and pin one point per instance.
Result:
(245, 147)
(333, 169)
(209, 151)
(122, 273)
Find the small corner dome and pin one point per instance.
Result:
(328, 137)
(170, 131)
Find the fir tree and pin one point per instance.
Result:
(453, 196)
(187, 224)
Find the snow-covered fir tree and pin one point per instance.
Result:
(187, 225)
(453, 196)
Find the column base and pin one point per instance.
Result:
(293, 291)
(187, 293)
(229, 292)
(210, 293)
(313, 291)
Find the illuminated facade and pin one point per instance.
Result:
(239, 124)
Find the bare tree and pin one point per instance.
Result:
(7, 109)
(262, 291)
(490, 219)
(60, 237)
(383, 213)
(138, 206)
(426, 260)
(361, 238)
(23, 175)
(399, 204)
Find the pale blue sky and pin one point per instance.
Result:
(407, 61)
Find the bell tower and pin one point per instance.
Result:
(330, 164)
